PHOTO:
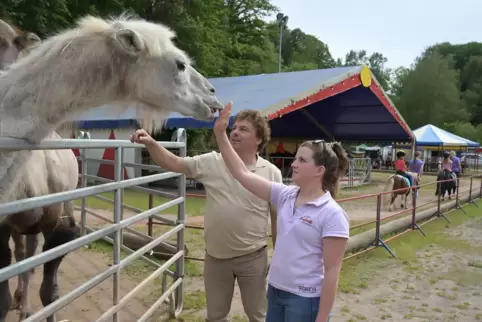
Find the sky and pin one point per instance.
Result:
(400, 30)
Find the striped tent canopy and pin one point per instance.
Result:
(430, 135)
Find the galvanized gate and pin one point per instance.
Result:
(173, 293)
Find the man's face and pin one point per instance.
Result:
(243, 136)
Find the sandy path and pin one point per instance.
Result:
(76, 269)
(364, 210)
(444, 284)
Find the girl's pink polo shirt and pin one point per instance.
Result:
(297, 263)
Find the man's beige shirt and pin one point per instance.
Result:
(235, 220)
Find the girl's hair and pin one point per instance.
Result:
(335, 160)
(452, 153)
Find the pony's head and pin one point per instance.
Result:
(14, 44)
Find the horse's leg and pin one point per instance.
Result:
(392, 202)
(58, 228)
(24, 298)
(452, 190)
(5, 260)
(19, 241)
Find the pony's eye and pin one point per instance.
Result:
(180, 66)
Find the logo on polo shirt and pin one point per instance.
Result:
(307, 289)
(307, 220)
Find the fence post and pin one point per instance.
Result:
(378, 215)
(117, 234)
(149, 221)
(470, 192)
(480, 190)
(414, 191)
(83, 184)
(439, 201)
(181, 219)
(378, 238)
(457, 200)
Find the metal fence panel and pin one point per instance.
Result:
(114, 228)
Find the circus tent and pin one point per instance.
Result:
(430, 135)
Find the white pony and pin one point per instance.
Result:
(120, 61)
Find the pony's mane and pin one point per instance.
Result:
(89, 38)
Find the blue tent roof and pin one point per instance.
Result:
(337, 106)
(430, 135)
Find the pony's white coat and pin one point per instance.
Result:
(120, 61)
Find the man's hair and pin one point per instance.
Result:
(260, 124)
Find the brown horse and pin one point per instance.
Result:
(396, 182)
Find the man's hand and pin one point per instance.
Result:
(142, 137)
(222, 121)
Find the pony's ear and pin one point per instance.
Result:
(129, 41)
(26, 41)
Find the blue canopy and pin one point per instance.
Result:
(344, 103)
(430, 135)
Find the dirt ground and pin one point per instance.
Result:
(364, 210)
(76, 269)
(442, 283)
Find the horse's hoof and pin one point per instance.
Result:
(23, 315)
(17, 299)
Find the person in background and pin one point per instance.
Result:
(401, 167)
(446, 162)
(235, 221)
(456, 166)
(313, 229)
(416, 166)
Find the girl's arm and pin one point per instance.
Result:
(257, 185)
(333, 252)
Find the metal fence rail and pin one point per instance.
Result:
(113, 229)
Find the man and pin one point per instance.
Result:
(235, 222)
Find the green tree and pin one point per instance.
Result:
(467, 59)
(431, 94)
(465, 130)
(397, 78)
(376, 61)
(41, 16)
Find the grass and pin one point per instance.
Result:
(140, 200)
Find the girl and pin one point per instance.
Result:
(312, 228)
(401, 167)
(447, 163)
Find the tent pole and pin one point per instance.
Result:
(414, 148)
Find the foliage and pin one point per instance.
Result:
(440, 98)
(235, 37)
(444, 88)
(376, 61)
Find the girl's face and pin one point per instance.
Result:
(304, 167)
